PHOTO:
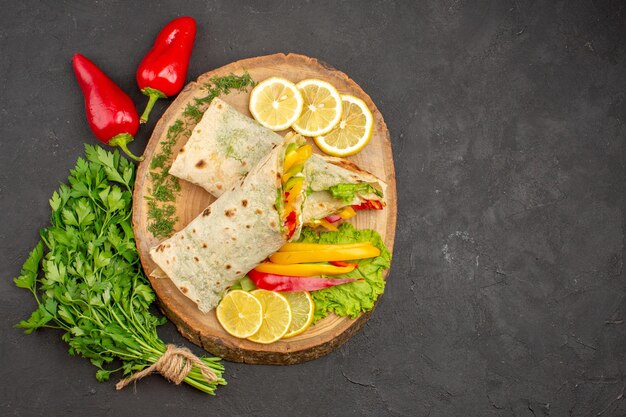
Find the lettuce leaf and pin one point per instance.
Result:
(347, 192)
(244, 284)
(359, 296)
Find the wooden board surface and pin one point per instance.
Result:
(203, 328)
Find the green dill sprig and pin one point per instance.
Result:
(161, 201)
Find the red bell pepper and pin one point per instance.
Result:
(290, 223)
(333, 218)
(284, 283)
(163, 70)
(343, 264)
(369, 205)
(111, 113)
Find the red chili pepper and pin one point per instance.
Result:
(285, 283)
(163, 70)
(111, 113)
(369, 205)
(343, 264)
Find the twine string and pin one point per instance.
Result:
(175, 364)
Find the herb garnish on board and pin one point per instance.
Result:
(92, 285)
(161, 206)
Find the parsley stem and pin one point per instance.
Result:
(132, 331)
(198, 385)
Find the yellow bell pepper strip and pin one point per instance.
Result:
(292, 183)
(298, 246)
(292, 193)
(326, 224)
(347, 213)
(290, 160)
(282, 283)
(297, 157)
(292, 186)
(302, 270)
(325, 256)
(288, 208)
(296, 169)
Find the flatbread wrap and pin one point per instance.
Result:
(226, 144)
(335, 183)
(249, 222)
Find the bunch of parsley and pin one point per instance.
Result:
(92, 286)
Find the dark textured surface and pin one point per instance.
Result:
(506, 296)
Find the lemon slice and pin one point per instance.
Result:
(353, 131)
(276, 316)
(276, 103)
(240, 313)
(302, 308)
(322, 108)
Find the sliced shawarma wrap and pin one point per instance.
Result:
(226, 144)
(249, 222)
(335, 183)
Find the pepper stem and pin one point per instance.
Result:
(153, 95)
(122, 140)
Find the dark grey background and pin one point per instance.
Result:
(506, 295)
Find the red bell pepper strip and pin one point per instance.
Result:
(290, 223)
(284, 283)
(343, 264)
(369, 205)
(111, 113)
(333, 218)
(163, 70)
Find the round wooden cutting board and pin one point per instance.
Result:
(203, 328)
